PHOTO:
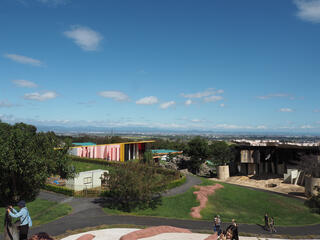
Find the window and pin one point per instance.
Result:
(87, 180)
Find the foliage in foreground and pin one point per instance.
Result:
(27, 159)
(135, 186)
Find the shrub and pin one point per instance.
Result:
(59, 189)
(133, 186)
(314, 202)
(176, 183)
(95, 160)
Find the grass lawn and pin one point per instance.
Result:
(249, 206)
(245, 205)
(41, 211)
(83, 166)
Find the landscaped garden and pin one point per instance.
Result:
(41, 212)
(243, 204)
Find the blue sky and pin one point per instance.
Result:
(203, 65)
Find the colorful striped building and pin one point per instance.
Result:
(112, 152)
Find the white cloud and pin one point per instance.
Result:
(213, 98)
(285, 110)
(115, 95)
(209, 95)
(5, 103)
(205, 93)
(222, 105)
(167, 104)
(23, 59)
(308, 10)
(25, 83)
(40, 96)
(142, 72)
(196, 120)
(148, 100)
(276, 95)
(233, 126)
(306, 127)
(188, 102)
(53, 2)
(84, 37)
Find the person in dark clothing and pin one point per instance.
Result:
(236, 234)
(266, 222)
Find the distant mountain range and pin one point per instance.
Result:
(151, 131)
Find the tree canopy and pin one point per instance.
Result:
(221, 153)
(198, 150)
(27, 159)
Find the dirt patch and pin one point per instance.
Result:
(152, 231)
(277, 183)
(202, 197)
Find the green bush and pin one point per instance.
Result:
(314, 203)
(176, 183)
(59, 189)
(133, 186)
(95, 160)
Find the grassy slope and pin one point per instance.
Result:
(41, 211)
(247, 206)
(173, 207)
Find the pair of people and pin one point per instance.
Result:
(25, 219)
(230, 233)
(269, 223)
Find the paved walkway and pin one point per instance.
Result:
(88, 213)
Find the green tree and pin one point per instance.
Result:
(221, 153)
(27, 159)
(133, 186)
(147, 157)
(198, 150)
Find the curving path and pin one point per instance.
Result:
(87, 213)
(190, 182)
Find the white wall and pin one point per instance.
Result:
(85, 180)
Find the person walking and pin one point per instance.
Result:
(218, 225)
(266, 222)
(25, 219)
(272, 223)
(235, 232)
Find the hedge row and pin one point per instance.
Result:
(176, 183)
(95, 160)
(59, 189)
(159, 170)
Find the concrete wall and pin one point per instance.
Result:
(85, 180)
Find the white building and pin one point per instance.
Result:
(86, 180)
